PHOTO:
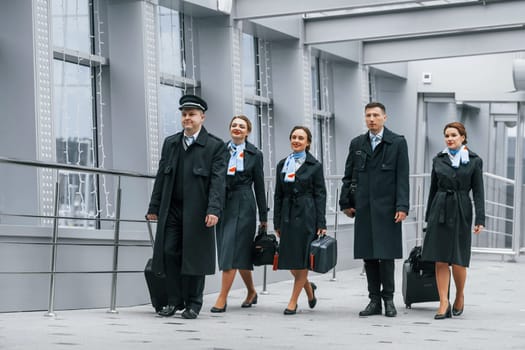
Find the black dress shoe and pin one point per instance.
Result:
(373, 308)
(189, 314)
(218, 309)
(390, 309)
(313, 301)
(250, 303)
(169, 310)
(447, 314)
(287, 311)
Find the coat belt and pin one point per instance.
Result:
(289, 202)
(449, 204)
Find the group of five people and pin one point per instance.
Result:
(203, 182)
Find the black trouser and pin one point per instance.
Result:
(183, 289)
(380, 273)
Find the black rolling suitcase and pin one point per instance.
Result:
(419, 279)
(156, 283)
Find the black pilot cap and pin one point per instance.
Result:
(192, 101)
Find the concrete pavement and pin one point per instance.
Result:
(494, 318)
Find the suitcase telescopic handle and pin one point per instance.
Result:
(150, 232)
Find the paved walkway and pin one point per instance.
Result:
(494, 318)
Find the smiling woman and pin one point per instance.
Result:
(299, 212)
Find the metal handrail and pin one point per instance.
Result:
(77, 168)
(116, 239)
(54, 244)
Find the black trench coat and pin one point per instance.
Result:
(203, 195)
(449, 209)
(237, 225)
(299, 211)
(382, 180)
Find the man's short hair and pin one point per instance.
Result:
(374, 105)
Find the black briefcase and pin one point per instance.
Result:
(156, 283)
(264, 248)
(419, 279)
(323, 254)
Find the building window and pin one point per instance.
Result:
(76, 96)
(177, 66)
(322, 112)
(256, 72)
(323, 121)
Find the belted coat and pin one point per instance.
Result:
(236, 228)
(203, 195)
(299, 211)
(449, 213)
(376, 184)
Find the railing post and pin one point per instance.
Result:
(518, 181)
(336, 225)
(51, 304)
(113, 302)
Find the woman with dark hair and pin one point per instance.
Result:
(299, 212)
(237, 224)
(456, 171)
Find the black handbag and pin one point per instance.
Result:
(323, 254)
(418, 265)
(265, 247)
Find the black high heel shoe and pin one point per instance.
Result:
(313, 301)
(218, 309)
(288, 311)
(457, 312)
(447, 314)
(250, 303)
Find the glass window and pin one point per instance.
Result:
(71, 24)
(169, 115)
(249, 65)
(171, 53)
(72, 107)
(316, 103)
(73, 111)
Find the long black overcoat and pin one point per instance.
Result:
(376, 184)
(203, 195)
(449, 209)
(299, 211)
(237, 225)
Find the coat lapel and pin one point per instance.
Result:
(365, 144)
(307, 163)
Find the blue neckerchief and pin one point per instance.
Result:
(290, 165)
(236, 162)
(453, 151)
(457, 156)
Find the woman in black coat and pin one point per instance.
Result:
(455, 172)
(299, 212)
(237, 224)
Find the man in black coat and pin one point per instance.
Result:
(187, 200)
(376, 191)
